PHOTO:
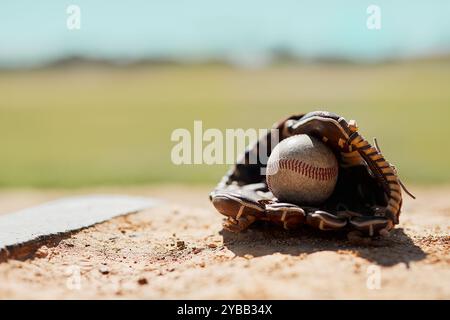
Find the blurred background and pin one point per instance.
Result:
(97, 105)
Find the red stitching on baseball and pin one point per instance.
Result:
(305, 169)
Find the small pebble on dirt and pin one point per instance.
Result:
(212, 245)
(104, 270)
(181, 245)
(142, 281)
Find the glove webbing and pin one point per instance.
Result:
(383, 171)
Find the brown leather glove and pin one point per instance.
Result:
(367, 197)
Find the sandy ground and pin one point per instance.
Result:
(179, 250)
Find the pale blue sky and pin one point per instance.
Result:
(33, 31)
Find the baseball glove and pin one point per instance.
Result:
(368, 194)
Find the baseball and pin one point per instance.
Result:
(302, 170)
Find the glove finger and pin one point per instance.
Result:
(371, 225)
(239, 225)
(236, 205)
(325, 221)
(286, 214)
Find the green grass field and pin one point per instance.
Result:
(72, 127)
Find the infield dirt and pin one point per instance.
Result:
(179, 250)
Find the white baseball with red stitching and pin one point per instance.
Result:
(302, 170)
